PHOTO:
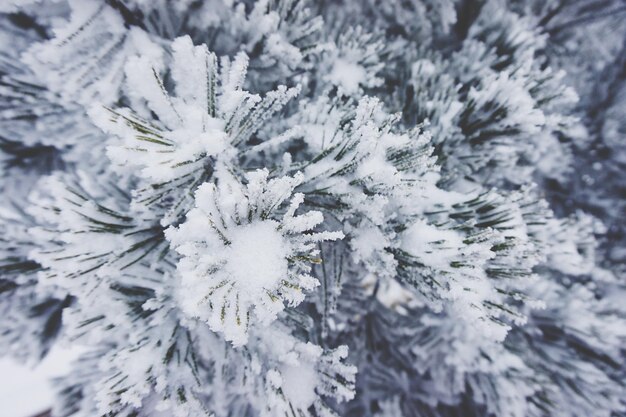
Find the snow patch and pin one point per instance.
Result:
(298, 384)
(257, 256)
(347, 75)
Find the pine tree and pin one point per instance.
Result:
(300, 208)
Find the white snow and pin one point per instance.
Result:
(433, 246)
(299, 384)
(347, 75)
(256, 257)
(26, 390)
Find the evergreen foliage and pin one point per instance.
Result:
(316, 208)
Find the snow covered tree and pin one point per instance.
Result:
(301, 208)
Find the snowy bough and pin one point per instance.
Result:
(293, 208)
